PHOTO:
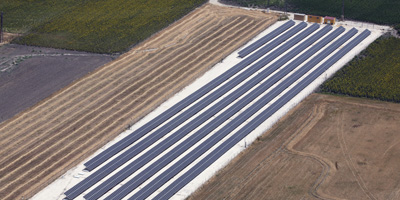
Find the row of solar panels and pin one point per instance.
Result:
(102, 157)
(141, 177)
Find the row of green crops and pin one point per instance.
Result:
(376, 11)
(375, 73)
(102, 26)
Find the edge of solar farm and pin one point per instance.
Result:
(75, 175)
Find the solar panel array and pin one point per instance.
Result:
(99, 159)
(283, 51)
(249, 49)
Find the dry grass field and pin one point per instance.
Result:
(328, 147)
(43, 142)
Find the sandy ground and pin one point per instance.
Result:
(41, 143)
(8, 37)
(30, 74)
(327, 147)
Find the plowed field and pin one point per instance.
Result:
(328, 147)
(41, 143)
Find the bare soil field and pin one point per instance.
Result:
(43, 142)
(30, 74)
(328, 147)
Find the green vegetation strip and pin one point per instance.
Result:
(376, 11)
(375, 73)
(102, 26)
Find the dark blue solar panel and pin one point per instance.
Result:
(246, 51)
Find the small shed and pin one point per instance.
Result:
(315, 19)
(301, 17)
(329, 20)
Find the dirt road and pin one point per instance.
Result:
(40, 144)
(326, 148)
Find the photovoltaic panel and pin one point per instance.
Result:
(246, 51)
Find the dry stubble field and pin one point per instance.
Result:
(43, 142)
(328, 147)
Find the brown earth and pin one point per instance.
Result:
(328, 147)
(8, 37)
(40, 144)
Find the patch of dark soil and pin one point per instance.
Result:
(30, 74)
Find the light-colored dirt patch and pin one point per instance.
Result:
(8, 37)
(42, 143)
(328, 147)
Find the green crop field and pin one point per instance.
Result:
(102, 26)
(375, 73)
(376, 11)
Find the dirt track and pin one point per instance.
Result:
(326, 148)
(40, 144)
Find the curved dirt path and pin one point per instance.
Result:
(328, 168)
(40, 144)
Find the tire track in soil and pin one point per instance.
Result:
(96, 81)
(125, 94)
(328, 168)
(349, 160)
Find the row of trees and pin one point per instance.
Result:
(376, 11)
(375, 73)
